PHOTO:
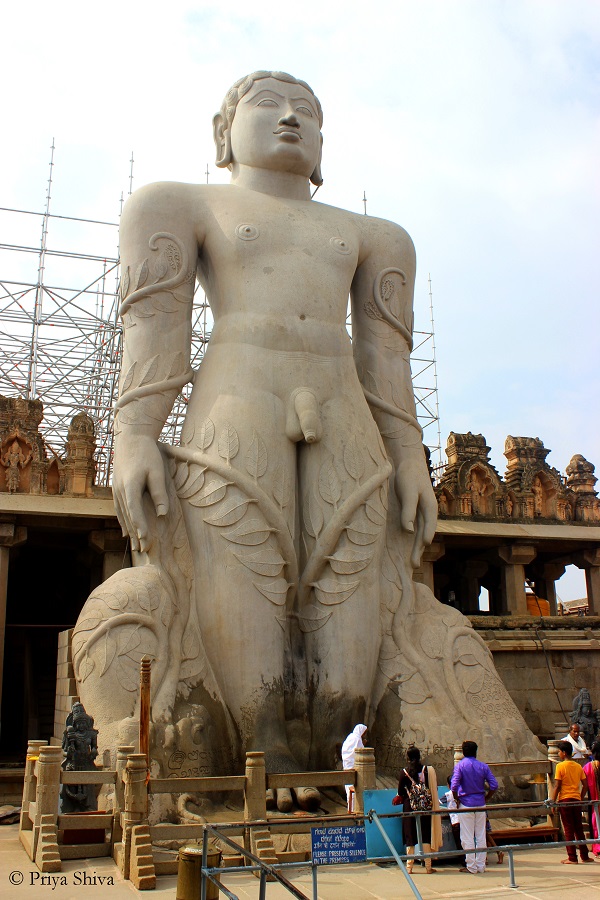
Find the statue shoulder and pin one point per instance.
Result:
(166, 198)
(384, 240)
(166, 206)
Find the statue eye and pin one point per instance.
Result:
(305, 110)
(267, 101)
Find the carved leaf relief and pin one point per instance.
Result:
(212, 493)
(127, 674)
(275, 591)
(256, 458)
(229, 443)
(312, 618)
(161, 268)
(250, 533)
(176, 367)
(191, 644)
(125, 282)
(128, 379)
(315, 516)
(432, 642)
(206, 435)
(109, 648)
(374, 512)
(330, 487)
(354, 460)
(331, 592)
(471, 678)
(266, 562)
(181, 474)
(362, 535)
(149, 370)
(413, 690)
(281, 486)
(194, 483)
(348, 562)
(141, 275)
(116, 601)
(86, 668)
(230, 513)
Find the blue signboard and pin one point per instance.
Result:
(341, 844)
(381, 802)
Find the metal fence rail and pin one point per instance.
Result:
(267, 871)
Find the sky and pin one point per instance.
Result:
(475, 125)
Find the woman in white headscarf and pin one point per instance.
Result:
(353, 742)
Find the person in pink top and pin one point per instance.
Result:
(592, 775)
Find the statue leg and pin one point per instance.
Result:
(235, 479)
(343, 494)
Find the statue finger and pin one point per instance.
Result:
(158, 490)
(429, 520)
(418, 543)
(139, 527)
(120, 513)
(407, 495)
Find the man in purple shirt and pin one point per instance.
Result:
(468, 785)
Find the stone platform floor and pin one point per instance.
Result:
(539, 875)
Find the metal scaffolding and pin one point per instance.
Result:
(61, 338)
(425, 383)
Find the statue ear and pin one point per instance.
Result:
(316, 177)
(222, 136)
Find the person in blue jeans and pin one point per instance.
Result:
(473, 784)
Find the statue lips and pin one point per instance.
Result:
(288, 134)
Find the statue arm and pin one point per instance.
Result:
(382, 322)
(159, 250)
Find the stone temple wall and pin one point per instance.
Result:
(572, 650)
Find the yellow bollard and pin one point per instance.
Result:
(189, 872)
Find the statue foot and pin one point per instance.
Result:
(284, 800)
(271, 799)
(308, 798)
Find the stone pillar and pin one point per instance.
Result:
(119, 803)
(255, 794)
(48, 789)
(113, 546)
(589, 561)
(364, 765)
(515, 558)
(136, 802)
(11, 535)
(545, 586)
(553, 757)
(29, 783)
(424, 574)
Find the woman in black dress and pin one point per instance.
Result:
(416, 773)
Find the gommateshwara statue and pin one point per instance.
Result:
(274, 546)
(80, 744)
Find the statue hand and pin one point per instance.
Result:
(418, 506)
(138, 467)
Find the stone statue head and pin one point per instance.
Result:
(248, 88)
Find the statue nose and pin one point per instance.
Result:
(289, 119)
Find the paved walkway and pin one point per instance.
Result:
(539, 875)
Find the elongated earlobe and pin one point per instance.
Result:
(222, 136)
(316, 177)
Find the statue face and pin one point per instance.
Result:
(276, 126)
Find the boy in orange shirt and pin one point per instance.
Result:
(569, 777)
